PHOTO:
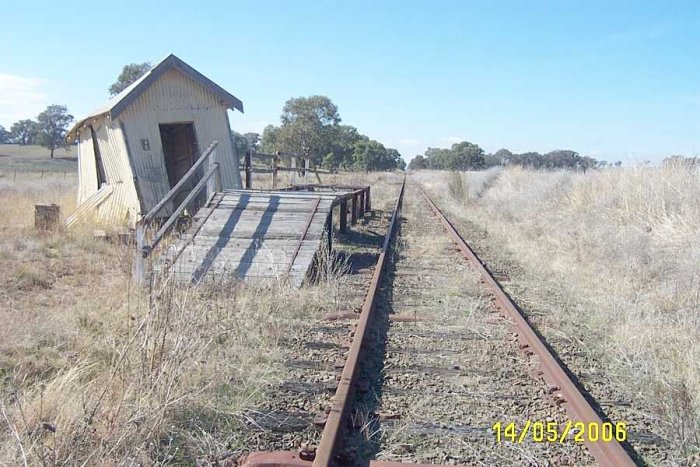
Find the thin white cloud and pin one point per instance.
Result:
(450, 140)
(249, 127)
(20, 98)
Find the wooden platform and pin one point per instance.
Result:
(252, 235)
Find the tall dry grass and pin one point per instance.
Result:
(624, 246)
(96, 371)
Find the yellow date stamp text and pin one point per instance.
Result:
(553, 432)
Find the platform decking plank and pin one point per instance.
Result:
(252, 235)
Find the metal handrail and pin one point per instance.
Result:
(143, 248)
(185, 178)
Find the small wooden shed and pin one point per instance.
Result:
(133, 149)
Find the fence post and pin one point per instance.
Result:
(248, 169)
(139, 271)
(362, 204)
(368, 200)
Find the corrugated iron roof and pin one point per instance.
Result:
(118, 103)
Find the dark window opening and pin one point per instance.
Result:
(99, 165)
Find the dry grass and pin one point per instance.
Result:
(624, 246)
(18, 160)
(96, 371)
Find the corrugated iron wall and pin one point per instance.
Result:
(175, 98)
(123, 204)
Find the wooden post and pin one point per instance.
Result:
(362, 205)
(139, 268)
(307, 166)
(46, 217)
(214, 184)
(353, 213)
(217, 177)
(330, 232)
(293, 165)
(248, 170)
(343, 216)
(275, 164)
(368, 201)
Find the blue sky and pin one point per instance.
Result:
(618, 80)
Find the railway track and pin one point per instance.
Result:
(434, 368)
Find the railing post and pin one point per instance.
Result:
(217, 177)
(353, 213)
(343, 216)
(307, 166)
(275, 164)
(139, 266)
(214, 183)
(293, 165)
(362, 205)
(330, 233)
(248, 169)
(368, 200)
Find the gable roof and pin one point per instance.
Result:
(121, 101)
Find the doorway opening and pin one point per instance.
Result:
(179, 148)
(180, 151)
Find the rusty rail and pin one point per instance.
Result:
(330, 438)
(577, 407)
(607, 453)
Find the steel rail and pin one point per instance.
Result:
(607, 453)
(330, 438)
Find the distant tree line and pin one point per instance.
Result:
(50, 127)
(311, 127)
(681, 162)
(48, 130)
(469, 156)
